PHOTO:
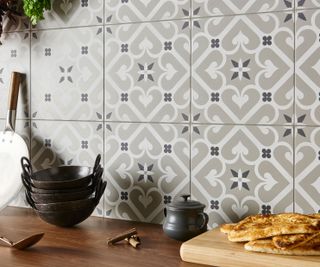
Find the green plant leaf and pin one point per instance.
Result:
(34, 9)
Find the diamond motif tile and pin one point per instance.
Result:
(217, 7)
(68, 13)
(243, 69)
(67, 76)
(307, 180)
(56, 143)
(308, 67)
(300, 4)
(147, 166)
(148, 71)
(145, 10)
(242, 170)
(15, 53)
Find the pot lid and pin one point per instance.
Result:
(186, 203)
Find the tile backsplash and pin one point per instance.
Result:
(218, 99)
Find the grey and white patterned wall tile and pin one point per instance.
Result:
(307, 167)
(242, 69)
(300, 4)
(218, 8)
(56, 143)
(23, 129)
(67, 74)
(308, 67)
(19, 22)
(148, 71)
(72, 13)
(125, 11)
(242, 170)
(147, 167)
(15, 53)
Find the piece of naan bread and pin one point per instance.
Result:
(296, 240)
(227, 227)
(264, 226)
(267, 246)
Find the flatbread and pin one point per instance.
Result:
(262, 226)
(267, 246)
(227, 227)
(296, 240)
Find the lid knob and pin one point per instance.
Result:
(185, 197)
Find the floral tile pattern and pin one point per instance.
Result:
(243, 69)
(140, 10)
(308, 67)
(307, 4)
(242, 170)
(55, 143)
(148, 71)
(14, 56)
(307, 180)
(226, 7)
(67, 74)
(69, 13)
(147, 166)
(219, 99)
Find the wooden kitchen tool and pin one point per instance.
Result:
(12, 148)
(214, 248)
(130, 236)
(122, 236)
(23, 243)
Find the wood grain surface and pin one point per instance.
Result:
(213, 248)
(85, 244)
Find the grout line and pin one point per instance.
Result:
(190, 95)
(30, 93)
(169, 123)
(294, 111)
(103, 111)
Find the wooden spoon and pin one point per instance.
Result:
(23, 243)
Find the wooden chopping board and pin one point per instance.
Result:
(213, 248)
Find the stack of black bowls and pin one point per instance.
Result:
(65, 195)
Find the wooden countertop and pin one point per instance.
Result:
(85, 244)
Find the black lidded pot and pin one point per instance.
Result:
(185, 219)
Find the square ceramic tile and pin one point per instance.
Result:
(227, 7)
(308, 67)
(67, 74)
(68, 13)
(307, 4)
(307, 167)
(14, 56)
(20, 23)
(55, 143)
(140, 10)
(242, 69)
(147, 166)
(242, 170)
(148, 71)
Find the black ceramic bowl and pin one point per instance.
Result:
(61, 197)
(63, 177)
(74, 214)
(32, 189)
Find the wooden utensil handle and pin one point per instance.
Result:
(14, 91)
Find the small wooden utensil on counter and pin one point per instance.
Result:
(130, 236)
(23, 243)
